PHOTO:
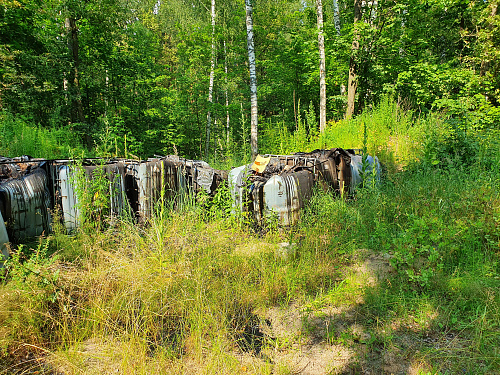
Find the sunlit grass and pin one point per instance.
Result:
(19, 136)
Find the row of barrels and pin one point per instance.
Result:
(32, 190)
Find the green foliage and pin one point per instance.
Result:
(220, 205)
(30, 269)
(474, 112)
(142, 75)
(92, 188)
(20, 136)
(456, 148)
(31, 289)
(441, 227)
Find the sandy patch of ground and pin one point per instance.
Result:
(338, 339)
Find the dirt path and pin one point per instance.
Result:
(331, 337)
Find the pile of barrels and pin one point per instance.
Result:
(277, 187)
(32, 190)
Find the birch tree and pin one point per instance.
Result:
(253, 80)
(336, 23)
(322, 80)
(72, 38)
(211, 82)
(336, 16)
(228, 132)
(353, 64)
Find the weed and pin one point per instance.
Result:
(32, 267)
(92, 189)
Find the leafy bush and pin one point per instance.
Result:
(454, 149)
(92, 190)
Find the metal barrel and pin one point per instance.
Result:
(4, 240)
(26, 204)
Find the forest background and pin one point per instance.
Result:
(134, 76)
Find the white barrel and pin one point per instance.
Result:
(284, 196)
(69, 200)
(154, 176)
(117, 194)
(237, 186)
(357, 173)
(27, 205)
(4, 240)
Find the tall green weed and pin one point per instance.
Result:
(19, 136)
(92, 188)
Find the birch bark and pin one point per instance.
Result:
(322, 80)
(253, 80)
(227, 97)
(211, 82)
(336, 22)
(74, 85)
(336, 16)
(353, 65)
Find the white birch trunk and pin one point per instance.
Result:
(336, 22)
(322, 79)
(403, 32)
(211, 83)
(65, 87)
(74, 85)
(336, 16)
(65, 79)
(227, 97)
(372, 5)
(106, 94)
(353, 65)
(253, 80)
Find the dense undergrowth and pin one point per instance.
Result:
(19, 136)
(190, 291)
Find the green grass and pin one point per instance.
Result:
(19, 136)
(405, 274)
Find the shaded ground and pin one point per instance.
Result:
(327, 339)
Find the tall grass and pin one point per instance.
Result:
(394, 134)
(19, 136)
(192, 297)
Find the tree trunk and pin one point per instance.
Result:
(322, 80)
(211, 83)
(76, 99)
(227, 97)
(336, 16)
(486, 59)
(253, 80)
(336, 22)
(353, 64)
